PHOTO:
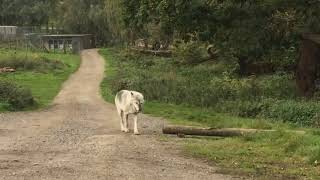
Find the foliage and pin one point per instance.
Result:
(26, 12)
(249, 31)
(83, 16)
(192, 52)
(253, 30)
(113, 10)
(210, 86)
(44, 81)
(37, 64)
(17, 97)
(300, 113)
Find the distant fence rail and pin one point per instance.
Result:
(13, 33)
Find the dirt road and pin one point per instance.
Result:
(78, 137)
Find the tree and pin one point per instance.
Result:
(25, 12)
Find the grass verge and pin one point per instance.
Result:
(43, 85)
(278, 155)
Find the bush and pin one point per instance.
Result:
(17, 97)
(302, 113)
(192, 52)
(281, 86)
(243, 108)
(201, 88)
(39, 64)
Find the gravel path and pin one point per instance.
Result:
(78, 137)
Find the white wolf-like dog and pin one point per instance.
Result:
(129, 102)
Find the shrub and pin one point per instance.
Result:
(39, 64)
(203, 88)
(302, 113)
(243, 108)
(192, 52)
(316, 120)
(280, 86)
(17, 97)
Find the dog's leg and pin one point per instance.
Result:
(125, 121)
(136, 132)
(121, 113)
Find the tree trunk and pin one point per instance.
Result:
(225, 132)
(242, 61)
(307, 68)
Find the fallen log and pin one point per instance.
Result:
(162, 53)
(7, 70)
(224, 132)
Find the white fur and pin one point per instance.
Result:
(129, 102)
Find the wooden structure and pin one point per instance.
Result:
(73, 42)
(9, 33)
(308, 67)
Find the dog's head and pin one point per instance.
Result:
(137, 101)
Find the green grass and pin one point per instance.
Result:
(212, 85)
(278, 155)
(44, 86)
(186, 114)
(181, 114)
(110, 70)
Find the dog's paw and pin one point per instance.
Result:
(126, 130)
(136, 133)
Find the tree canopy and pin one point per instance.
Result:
(252, 29)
